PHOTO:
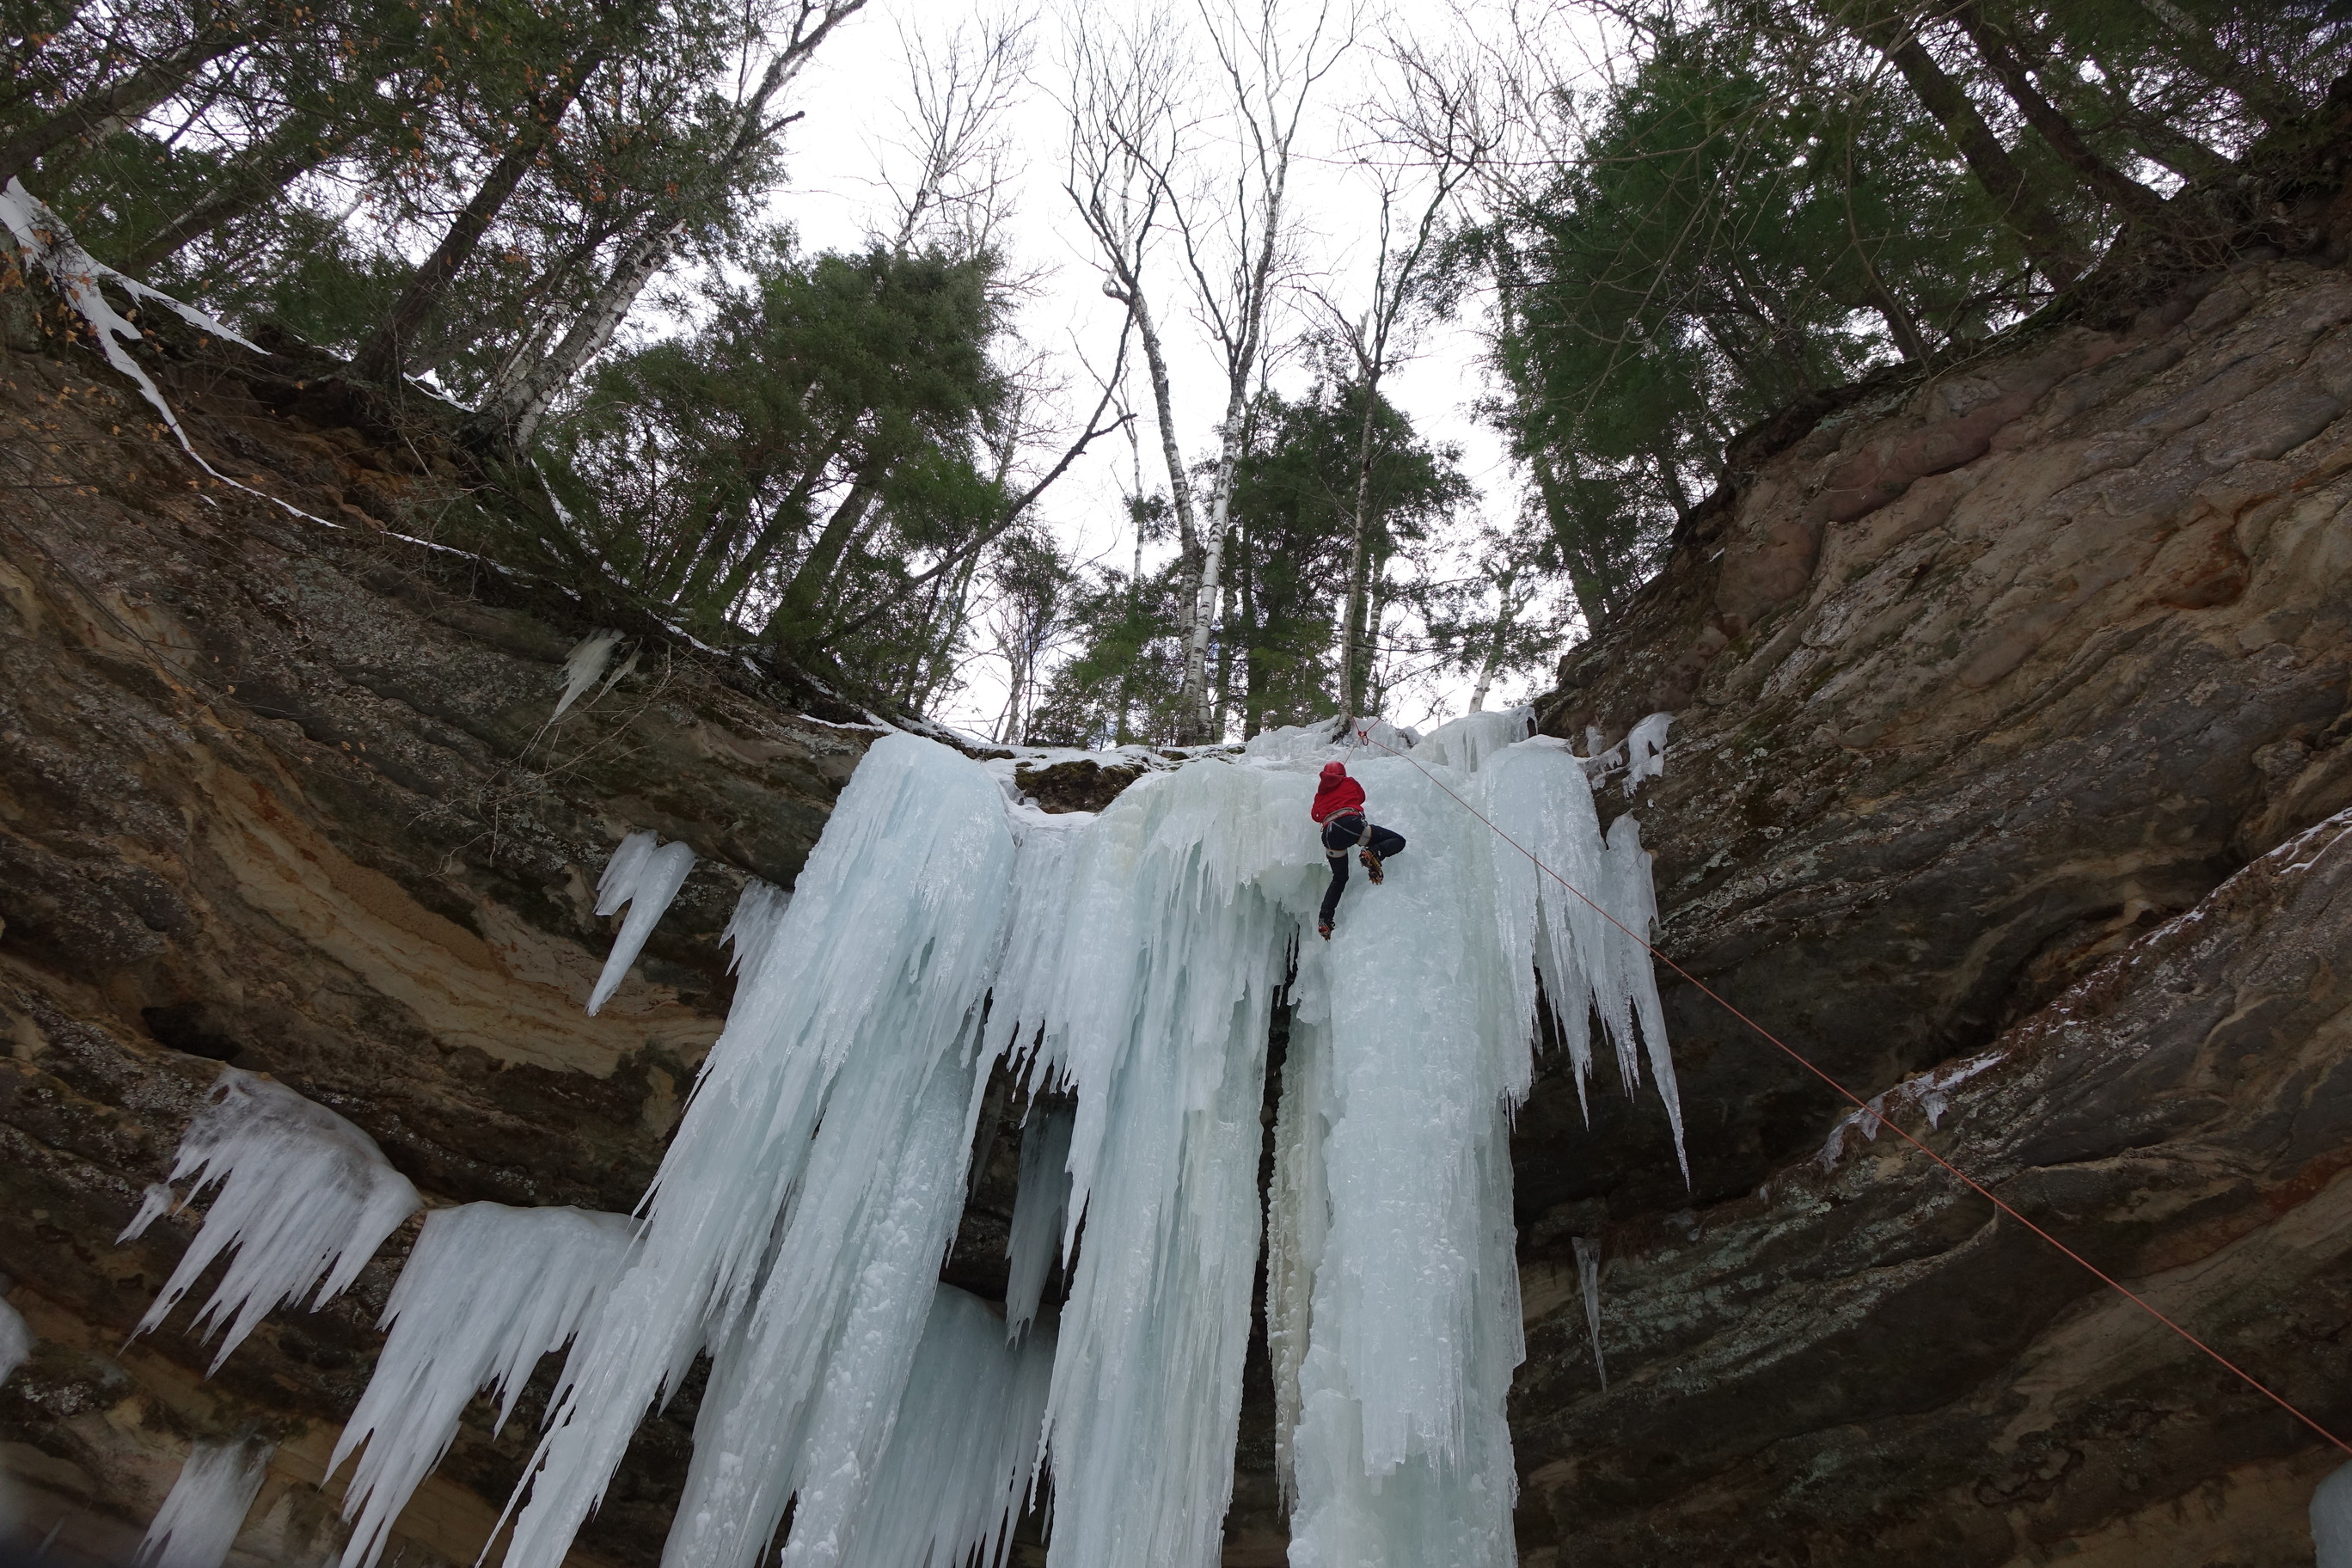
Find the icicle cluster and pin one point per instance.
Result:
(1930, 1091)
(964, 1451)
(1585, 926)
(1466, 743)
(583, 665)
(645, 879)
(1131, 959)
(15, 1341)
(488, 1290)
(1147, 948)
(1645, 751)
(206, 1507)
(303, 1200)
(752, 929)
(801, 1214)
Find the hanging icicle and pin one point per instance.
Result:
(487, 1291)
(206, 1507)
(1588, 1285)
(304, 1199)
(810, 1192)
(645, 879)
(964, 1451)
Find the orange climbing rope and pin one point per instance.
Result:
(1364, 736)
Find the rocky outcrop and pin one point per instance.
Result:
(287, 794)
(2009, 704)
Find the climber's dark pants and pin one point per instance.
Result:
(1340, 837)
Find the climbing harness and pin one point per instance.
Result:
(1365, 737)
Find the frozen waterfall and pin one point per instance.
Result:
(1130, 964)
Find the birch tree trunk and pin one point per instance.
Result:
(524, 398)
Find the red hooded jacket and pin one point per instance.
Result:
(1336, 794)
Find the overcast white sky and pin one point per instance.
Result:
(852, 94)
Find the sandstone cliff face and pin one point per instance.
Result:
(286, 795)
(2011, 731)
(2012, 720)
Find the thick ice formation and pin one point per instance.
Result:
(206, 1506)
(1587, 936)
(1464, 744)
(1645, 751)
(15, 1341)
(1398, 1296)
(801, 1212)
(487, 1293)
(1040, 1211)
(964, 1451)
(1150, 944)
(583, 665)
(645, 879)
(1132, 959)
(1588, 1285)
(304, 1199)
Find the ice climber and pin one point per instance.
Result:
(1338, 810)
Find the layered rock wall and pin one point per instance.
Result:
(2012, 722)
(286, 794)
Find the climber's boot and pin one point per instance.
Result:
(1371, 865)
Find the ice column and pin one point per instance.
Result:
(304, 1200)
(1153, 980)
(1040, 1211)
(801, 1395)
(645, 879)
(963, 1452)
(1407, 1044)
(206, 1507)
(487, 1293)
(758, 1228)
